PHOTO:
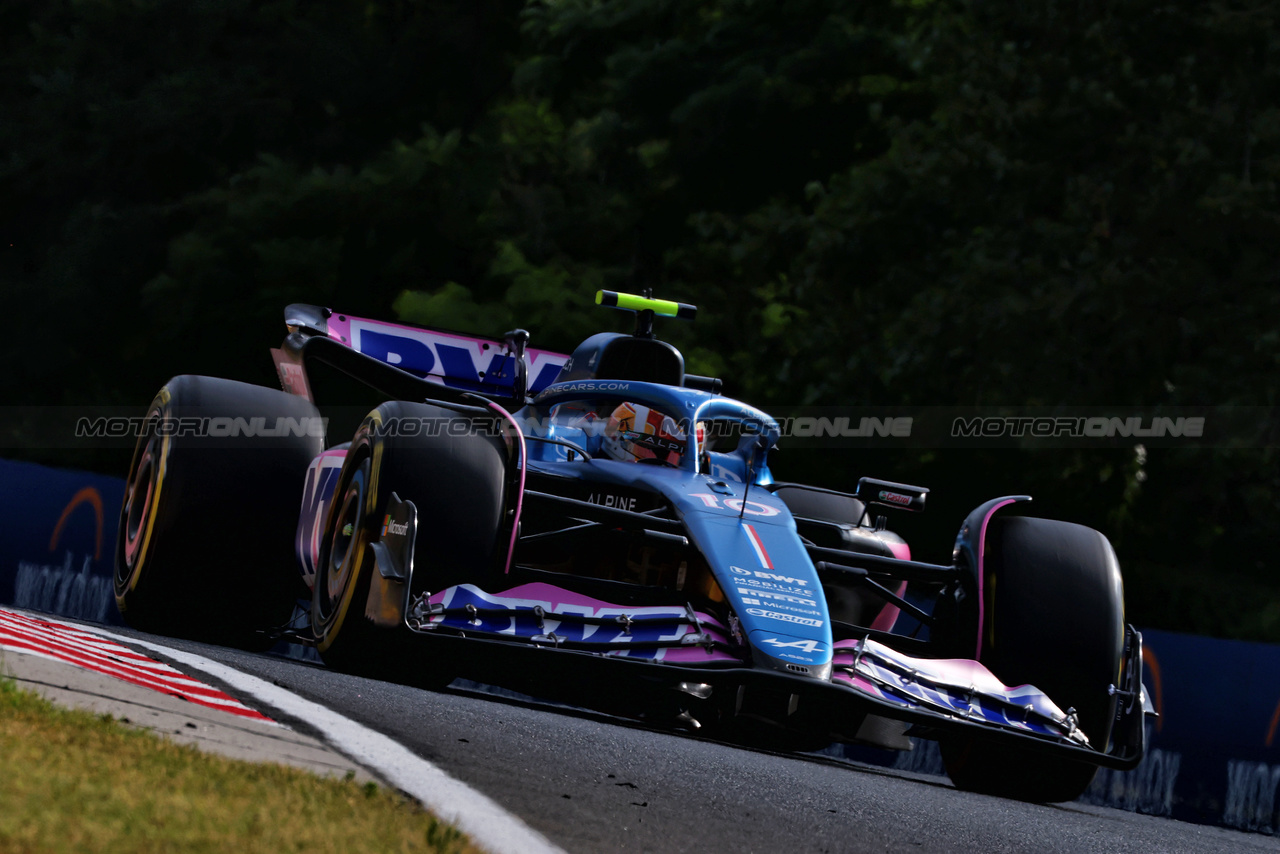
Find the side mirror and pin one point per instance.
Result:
(886, 493)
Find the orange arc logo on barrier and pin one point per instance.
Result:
(1152, 665)
(88, 494)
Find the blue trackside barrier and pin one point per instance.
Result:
(58, 540)
(1213, 754)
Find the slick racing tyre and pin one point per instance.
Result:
(1054, 618)
(456, 478)
(205, 543)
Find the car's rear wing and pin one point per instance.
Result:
(414, 355)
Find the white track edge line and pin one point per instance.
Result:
(489, 825)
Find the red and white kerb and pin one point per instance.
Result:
(62, 642)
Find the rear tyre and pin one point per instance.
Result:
(205, 543)
(456, 477)
(1053, 618)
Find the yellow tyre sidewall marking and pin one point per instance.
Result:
(161, 407)
(360, 541)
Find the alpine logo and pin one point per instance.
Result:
(809, 646)
(622, 502)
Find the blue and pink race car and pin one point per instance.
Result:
(604, 527)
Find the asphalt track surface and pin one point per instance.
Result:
(591, 783)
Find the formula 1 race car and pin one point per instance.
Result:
(604, 527)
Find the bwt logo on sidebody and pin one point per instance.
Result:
(455, 361)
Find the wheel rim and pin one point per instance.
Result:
(345, 540)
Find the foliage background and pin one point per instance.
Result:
(883, 202)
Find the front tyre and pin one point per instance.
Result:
(1053, 618)
(456, 477)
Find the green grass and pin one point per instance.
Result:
(77, 782)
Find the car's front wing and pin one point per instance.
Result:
(677, 646)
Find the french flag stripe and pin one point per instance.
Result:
(758, 545)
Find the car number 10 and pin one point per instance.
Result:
(752, 508)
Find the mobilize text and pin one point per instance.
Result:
(767, 576)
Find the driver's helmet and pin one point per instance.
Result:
(636, 433)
